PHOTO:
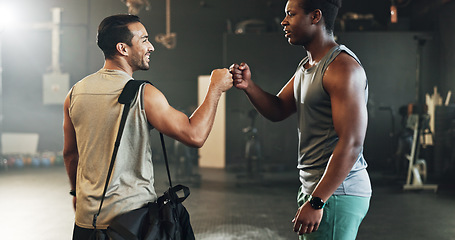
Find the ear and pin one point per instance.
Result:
(122, 48)
(316, 16)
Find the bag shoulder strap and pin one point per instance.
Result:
(130, 90)
(125, 98)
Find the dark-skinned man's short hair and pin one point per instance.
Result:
(329, 9)
(112, 30)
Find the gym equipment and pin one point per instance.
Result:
(417, 169)
(252, 151)
(419, 123)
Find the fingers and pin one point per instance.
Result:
(221, 71)
(305, 228)
(243, 66)
(233, 67)
(240, 74)
(227, 75)
(238, 68)
(235, 70)
(221, 79)
(303, 225)
(297, 223)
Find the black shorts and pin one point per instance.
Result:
(85, 233)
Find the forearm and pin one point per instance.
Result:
(71, 161)
(201, 121)
(70, 150)
(268, 105)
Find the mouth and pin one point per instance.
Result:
(147, 57)
(287, 33)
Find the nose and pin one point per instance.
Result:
(284, 22)
(151, 48)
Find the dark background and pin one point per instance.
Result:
(206, 40)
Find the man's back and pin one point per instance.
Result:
(95, 113)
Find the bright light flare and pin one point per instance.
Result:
(8, 17)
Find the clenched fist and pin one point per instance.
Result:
(221, 79)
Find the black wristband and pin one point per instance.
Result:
(73, 193)
(316, 203)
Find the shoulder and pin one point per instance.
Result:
(153, 96)
(344, 71)
(150, 89)
(344, 63)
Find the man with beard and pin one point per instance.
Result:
(92, 117)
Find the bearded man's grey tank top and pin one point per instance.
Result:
(317, 136)
(95, 114)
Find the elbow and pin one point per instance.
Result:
(193, 141)
(351, 147)
(66, 156)
(68, 153)
(357, 143)
(278, 116)
(357, 147)
(197, 143)
(70, 157)
(275, 119)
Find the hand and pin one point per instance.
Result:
(241, 75)
(221, 79)
(307, 219)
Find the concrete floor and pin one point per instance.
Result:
(35, 204)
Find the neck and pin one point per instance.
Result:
(118, 64)
(319, 47)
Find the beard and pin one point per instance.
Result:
(140, 63)
(144, 66)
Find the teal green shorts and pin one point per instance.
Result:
(341, 219)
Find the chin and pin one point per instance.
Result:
(290, 41)
(145, 66)
(295, 42)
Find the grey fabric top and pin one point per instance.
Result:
(95, 114)
(317, 136)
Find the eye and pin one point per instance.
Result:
(145, 39)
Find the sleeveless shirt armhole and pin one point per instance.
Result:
(353, 55)
(141, 96)
(343, 48)
(141, 100)
(71, 97)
